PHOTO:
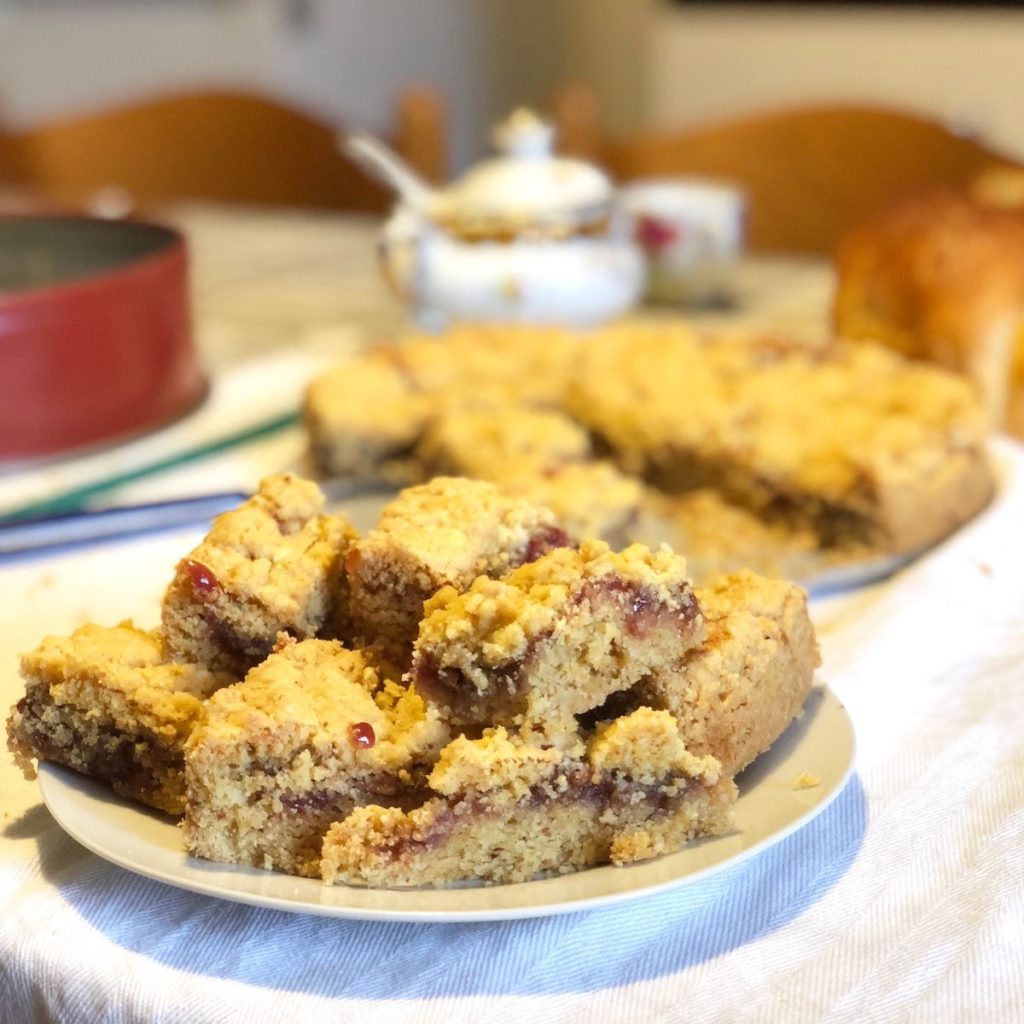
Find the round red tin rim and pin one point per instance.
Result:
(103, 352)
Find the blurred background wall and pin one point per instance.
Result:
(961, 63)
(652, 62)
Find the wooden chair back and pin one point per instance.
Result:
(809, 173)
(219, 146)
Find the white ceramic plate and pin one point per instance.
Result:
(856, 574)
(771, 806)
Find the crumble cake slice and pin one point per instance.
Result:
(735, 694)
(480, 440)
(364, 418)
(856, 441)
(307, 736)
(443, 533)
(274, 564)
(107, 702)
(505, 811)
(555, 637)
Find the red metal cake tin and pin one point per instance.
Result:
(95, 333)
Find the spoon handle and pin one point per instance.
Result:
(386, 166)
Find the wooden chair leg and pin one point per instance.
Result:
(576, 113)
(422, 132)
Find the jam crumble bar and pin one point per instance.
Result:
(274, 564)
(853, 446)
(555, 637)
(446, 532)
(307, 736)
(736, 693)
(504, 811)
(364, 418)
(108, 702)
(862, 446)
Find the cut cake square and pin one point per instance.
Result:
(446, 532)
(736, 693)
(555, 637)
(274, 564)
(505, 811)
(307, 736)
(364, 418)
(107, 702)
(855, 441)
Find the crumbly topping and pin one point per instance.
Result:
(589, 499)
(311, 694)
(476, 441)
(744, 593)
(494, 761)
(115, 653)
(646, 746)
(120, 657)
(453, 527)
(418, 722)
(316, 683)
(503, 615)
(827, 422)
(124, 672)
(275, 546)
(531, 362)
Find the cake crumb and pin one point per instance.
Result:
(806, 781)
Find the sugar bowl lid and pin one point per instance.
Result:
(527, 187)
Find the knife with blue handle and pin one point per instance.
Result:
(29, 536)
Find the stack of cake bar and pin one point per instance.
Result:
(467, 691)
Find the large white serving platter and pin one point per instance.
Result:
(772, 804)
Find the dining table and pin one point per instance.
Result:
(898, 896)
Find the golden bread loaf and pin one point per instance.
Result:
(940, 276)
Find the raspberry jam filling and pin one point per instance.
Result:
(312, 802)
(381, 787)
(134, 761)
(204, 582)
(362, 734)
(244, 651)
(546, 539)
(643, 610)
(449, 687)
(606, 793)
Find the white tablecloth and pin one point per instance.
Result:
(903, 901)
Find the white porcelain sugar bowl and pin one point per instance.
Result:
(525, 237)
